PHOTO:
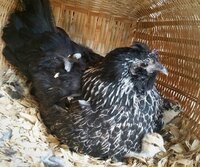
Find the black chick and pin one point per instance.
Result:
(124, 105)
(40, 50)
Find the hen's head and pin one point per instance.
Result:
(136, 62)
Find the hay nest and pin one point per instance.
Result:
(24, 140)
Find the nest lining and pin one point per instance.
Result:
(24, 140)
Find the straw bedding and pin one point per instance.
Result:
(24, 140)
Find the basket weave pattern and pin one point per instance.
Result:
(170, 26)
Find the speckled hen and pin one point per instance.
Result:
(124, 105)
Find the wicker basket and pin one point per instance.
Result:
(171, 26)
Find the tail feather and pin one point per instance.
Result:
(38, 16)
(11, 33)
(10, 56)
(24, 29)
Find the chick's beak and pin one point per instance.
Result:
(163, 149)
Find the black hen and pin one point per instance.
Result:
(124, 105)
(45, 53)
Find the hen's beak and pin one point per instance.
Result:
(159, 67)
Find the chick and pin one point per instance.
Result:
(171, 109)
(152, 143)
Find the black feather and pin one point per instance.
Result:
(39, 49)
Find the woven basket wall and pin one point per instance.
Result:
(171, 26)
